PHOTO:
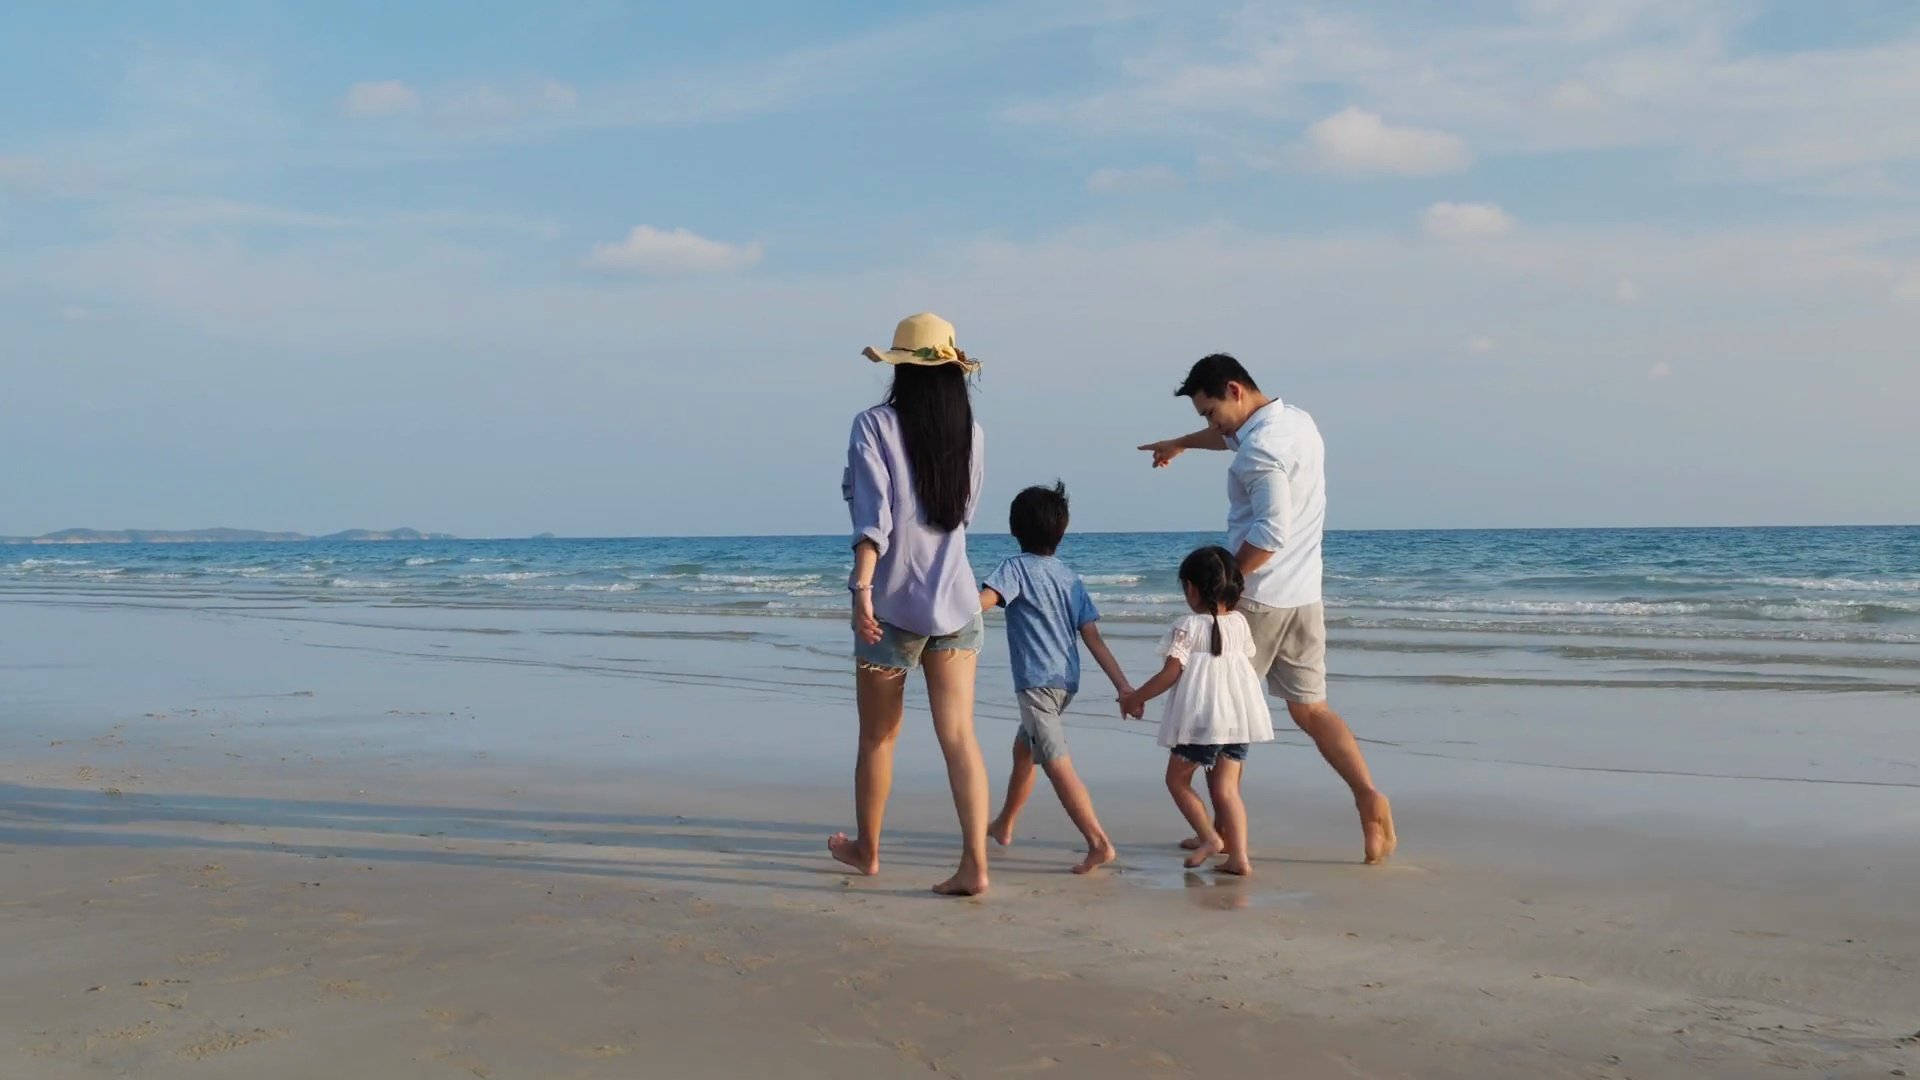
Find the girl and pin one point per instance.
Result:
(1216, 710)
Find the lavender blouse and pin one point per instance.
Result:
(924, 584)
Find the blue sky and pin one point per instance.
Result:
(606, 268)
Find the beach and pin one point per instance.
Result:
(252, 836)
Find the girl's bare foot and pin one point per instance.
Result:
(1002, 831)
(1376, 824)
(1191, 843)
(1237, 865)
(965, 883)
(1207, 850)
(850, 851)
(1097, 857)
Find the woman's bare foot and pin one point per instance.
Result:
(1191, 843)
(1207, 850)
(850, 851)
(967, 882)
(1237, 865)
(1097, 857)
(1002, 832)
(1376, 824)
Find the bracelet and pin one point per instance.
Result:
(851, 587)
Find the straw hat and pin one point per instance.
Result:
(925, 340)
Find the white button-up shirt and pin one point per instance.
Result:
(1277, 501)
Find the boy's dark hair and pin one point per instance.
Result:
(1211, 374)
(1039, 518)
(1215, 576)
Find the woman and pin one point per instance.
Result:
(912, 482)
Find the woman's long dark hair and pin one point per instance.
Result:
(936, 421)
(1215, 577)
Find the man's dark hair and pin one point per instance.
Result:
(1211, 374)
(1039, 519)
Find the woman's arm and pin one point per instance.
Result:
(866, 556)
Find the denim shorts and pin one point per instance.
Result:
(902, 650)
(1207, 755)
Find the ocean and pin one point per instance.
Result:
(1812, 608)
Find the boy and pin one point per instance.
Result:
(1047, 606)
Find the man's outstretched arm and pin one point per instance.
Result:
(1167, 449)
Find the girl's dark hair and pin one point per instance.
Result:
(936, 422)
(1215, 576)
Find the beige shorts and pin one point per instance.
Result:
(1290, 648)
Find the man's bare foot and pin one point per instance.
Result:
(850, 851)
(1097, 857)
(1237, 865)
(1002, 832)
(1191, 843)
(1207, 850)
(1376, 823)
(965, 883)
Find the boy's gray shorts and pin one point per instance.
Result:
(1040, 724)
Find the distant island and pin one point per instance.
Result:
(213, 536)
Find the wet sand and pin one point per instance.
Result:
(239, 846)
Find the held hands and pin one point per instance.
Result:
(865, 626)
(1132, 705)
(1164, 452)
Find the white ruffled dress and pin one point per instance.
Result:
(1218, 699)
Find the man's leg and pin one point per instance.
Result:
(1337, 744)
(1019, 788)
(1296, 641)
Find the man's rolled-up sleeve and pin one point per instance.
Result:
(1270, 495)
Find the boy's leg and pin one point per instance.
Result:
(1019, 788)
(1180, 772)
(1079, 807)
(1223, 783)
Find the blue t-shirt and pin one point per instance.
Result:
(1047, 604)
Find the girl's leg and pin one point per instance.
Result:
(882, 695)
(1019, 787)
(1180, 785)
(1223, 783)
(950, 675)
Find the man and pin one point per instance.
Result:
(1277, 508)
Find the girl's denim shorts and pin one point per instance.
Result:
(901, 650)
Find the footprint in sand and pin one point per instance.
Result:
(354, 988)
(139, 1031)
(212, 956)
(222, 1042)
(597, 1053)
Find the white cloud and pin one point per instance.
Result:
(1481, 344)
(1909, 287)
(1143, 178)
(1355, 140)
(669, 252)
(1573, 96)
(372, 100)
(74, 313)
(1627, 291)
(1465, 221)
(23, 175)
(1659, 371)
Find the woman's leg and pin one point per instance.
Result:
(1223, 783)
(950, 677)
(882, 695)
(1019, 788)
(1180, 785)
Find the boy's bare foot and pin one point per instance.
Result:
(1237, 865)
(965, 883)
(1191, 843)
(1376, 823)
(1097, 857)
(850, 851)
(1002, 832)
(1207, 850)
